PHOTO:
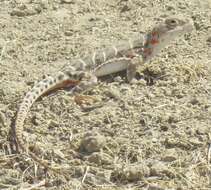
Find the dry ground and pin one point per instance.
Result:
(144, 136)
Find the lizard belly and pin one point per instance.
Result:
(112, 66)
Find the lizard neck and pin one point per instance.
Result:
(151, 46)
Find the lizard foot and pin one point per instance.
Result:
(85, 99)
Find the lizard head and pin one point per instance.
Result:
(164, 33)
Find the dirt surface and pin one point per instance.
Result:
(152, 134)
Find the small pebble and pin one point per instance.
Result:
(118, 79)
(160, 169)
(135, 172)
(125, 8)
(92, 142)
(67, 1)
(18, 13)
(2, 119)
(69, 33)
(209, 40)
(113, 93)
(170, 155)
(142, 82)
(155, 187)
(100, 158)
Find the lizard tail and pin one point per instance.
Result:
(38, 90)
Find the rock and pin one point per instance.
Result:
(19, 13)
(172, 143)
(68, 32)
(194, 101)
(2, 119)
(135, 172)
(53, 124)
(92, 142)
(100, 158)
(67, 1)
(209, 40)
(170, 155)
(160, 169)
(118, 79)
(97, 176)
(23, 10)
(209, 110)
(125, 8)
(25, 1)
(164, 127)
(37, 119)
(113, 93)
(142, 82)
(154, 187)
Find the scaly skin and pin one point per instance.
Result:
(85, 72)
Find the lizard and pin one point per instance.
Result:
(124, 55)
(84, 73)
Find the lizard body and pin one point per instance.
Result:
(84, 72)
(119, 57)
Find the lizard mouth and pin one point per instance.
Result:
(187, 27)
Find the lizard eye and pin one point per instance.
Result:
(171, 23)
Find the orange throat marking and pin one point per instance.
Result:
(155, 38)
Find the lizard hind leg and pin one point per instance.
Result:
(83, 86)
(89, 80)
(86, 81)
(84, 99)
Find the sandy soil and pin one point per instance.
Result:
(144, 135)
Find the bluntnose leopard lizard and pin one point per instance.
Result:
(83, 73)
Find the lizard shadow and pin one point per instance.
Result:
(149, 76)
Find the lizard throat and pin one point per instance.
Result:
(152, 43)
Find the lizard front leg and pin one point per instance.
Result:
(133, 67)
